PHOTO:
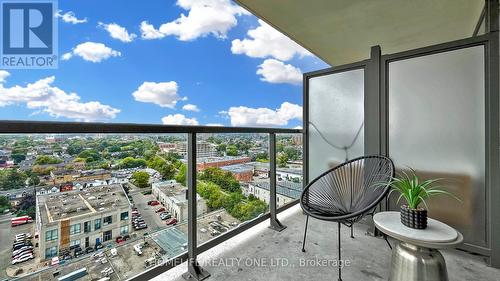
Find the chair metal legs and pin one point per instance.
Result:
(352, 231)
(305, 234)
(339, 261)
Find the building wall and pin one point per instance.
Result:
(64, 238)
(178, 209)
(264, 195)
(217, 164)
(246, 176)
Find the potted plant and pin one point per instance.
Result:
(415, 193)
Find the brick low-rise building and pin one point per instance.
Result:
(218, 162)
(241, 172)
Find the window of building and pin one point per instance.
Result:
(86, 227)
(124, 216)
(97, 224)
(51, 252)
(51, 235)
(107, 235)
(107, 220)
(74, 242)
(75, 228)
(124, 230)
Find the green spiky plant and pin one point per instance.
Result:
(416, 192)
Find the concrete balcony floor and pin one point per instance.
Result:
(239, 257)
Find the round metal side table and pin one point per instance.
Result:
(416, 257)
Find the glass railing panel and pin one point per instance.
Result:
(93, 204)
(233, 170)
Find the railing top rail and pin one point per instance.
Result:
(50, 127)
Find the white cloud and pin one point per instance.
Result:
(214, 124)
(191, 107)
(70, 17)
(42, 96)
(67, 56)
(275, 71)
(148, 31)
(205, 17)
(118, 32)
(179, 119)
(265, 41)
(163, 94)
(91, 51)
(258, 117)
(3, 75)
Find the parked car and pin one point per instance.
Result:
(172, 221)
(23, 258)
(18, 246)
(138, 222)
(89, 250)
(99, 246)
(153, 202)
(78, 252)
(20, 250)
(22, 236)
(140, 226)
(161, 209)
(165, 216)
(121, 239)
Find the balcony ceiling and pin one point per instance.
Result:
(342, 31)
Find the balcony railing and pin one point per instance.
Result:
(193, 249)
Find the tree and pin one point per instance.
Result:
(181, 175)
(12, 179)
(262, 157)
(130, 162)
(141, 179)
(18, 157)
(74, 148)
(46, 159)
(27, 206)
(33, 180)
(232, 150)
(222, 178)
(292, 152)
(166, 170)
(90, 155)
(282, 159)
(4, 201)
(42, 171)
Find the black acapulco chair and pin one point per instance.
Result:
(347, 193)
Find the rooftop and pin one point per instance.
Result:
(239, 168)
(285, 188)
(76, 203)
(221, 158)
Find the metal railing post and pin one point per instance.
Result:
(275, 223)
(195, 272)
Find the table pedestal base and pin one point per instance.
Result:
(414, 263)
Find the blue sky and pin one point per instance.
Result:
(142, 62)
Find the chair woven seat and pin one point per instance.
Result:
(347, 193)
(348, 190)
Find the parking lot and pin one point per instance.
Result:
(7, 237)
(147, 212)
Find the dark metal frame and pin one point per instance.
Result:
(347, 219)
(194, 272)
(376, 112)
